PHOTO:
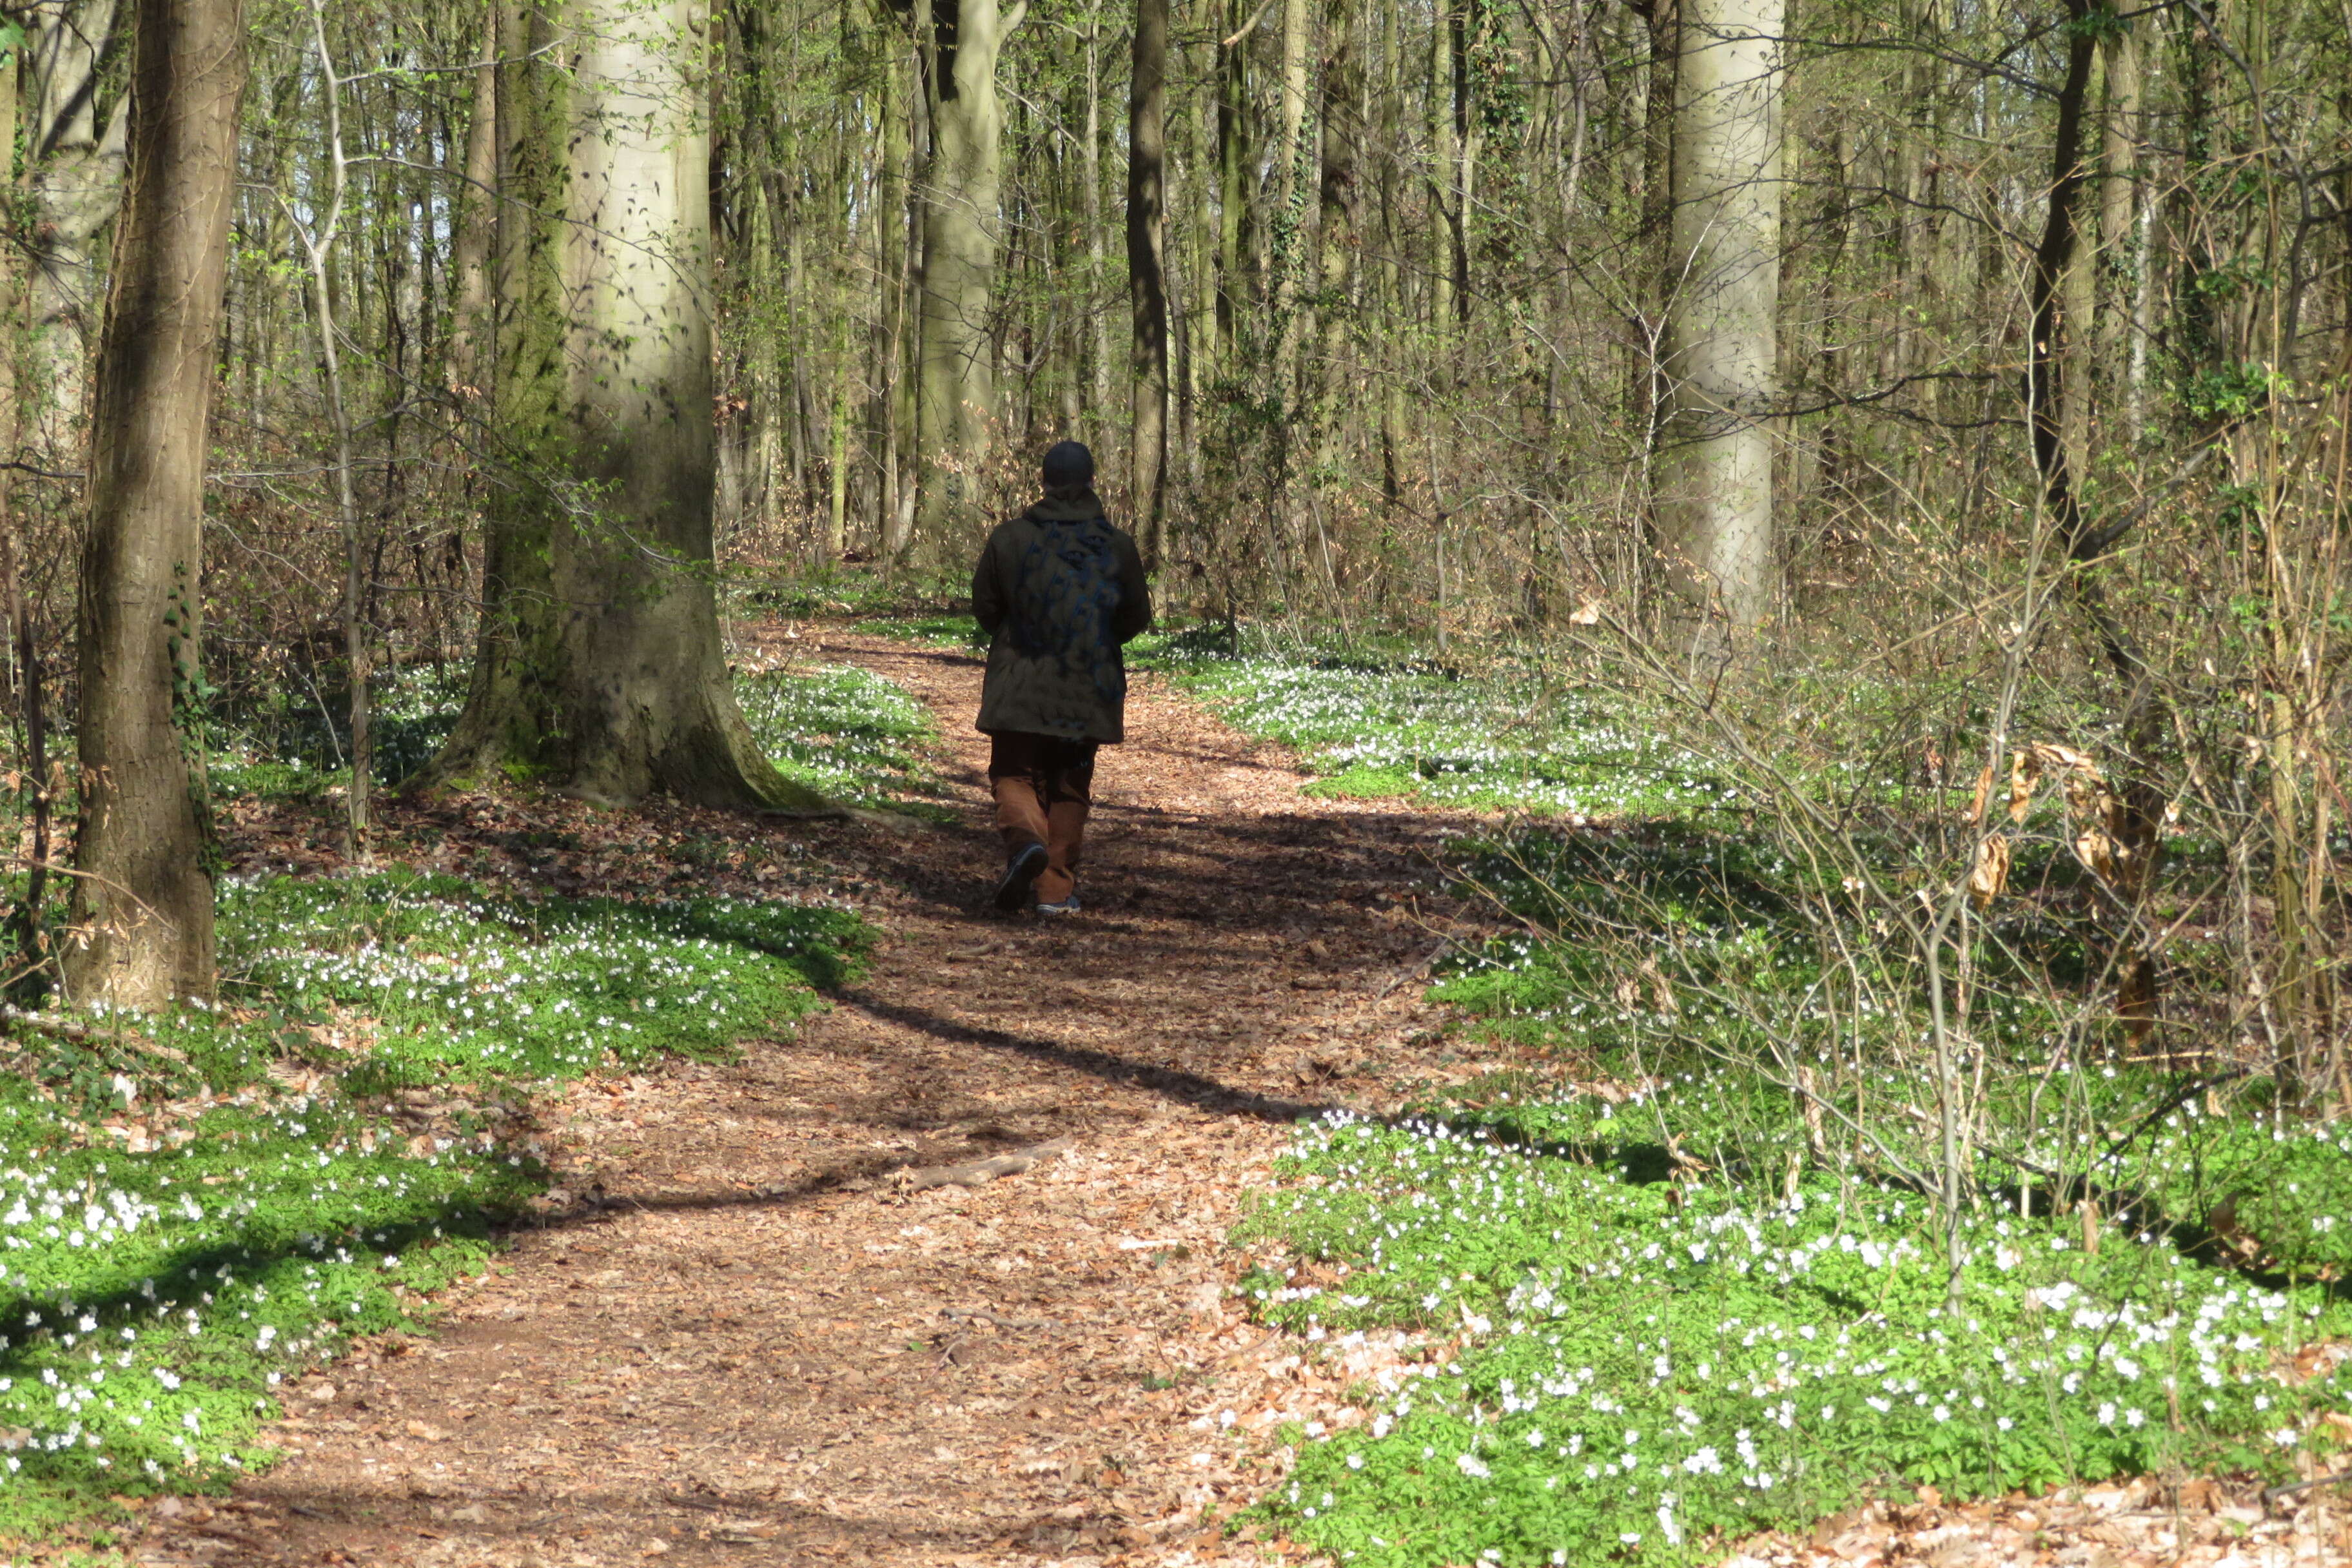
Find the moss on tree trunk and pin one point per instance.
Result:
(599, 669)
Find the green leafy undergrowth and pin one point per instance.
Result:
(933, 631)
(852, 735)
(296, 745)
(1670, 951)
(196, 1206)
(1618, 1366)
(852, 589)
(1401, 728)
(1707, 1297)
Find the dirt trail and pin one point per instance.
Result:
(741, 1339)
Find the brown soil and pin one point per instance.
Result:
(744, 1335)
(747, 1331)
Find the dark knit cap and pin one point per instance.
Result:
(1067, 463)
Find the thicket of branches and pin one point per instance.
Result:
(2057, 404)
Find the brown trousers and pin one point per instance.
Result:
(1044, 786)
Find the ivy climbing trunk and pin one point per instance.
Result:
(143, 883)
(599, 669)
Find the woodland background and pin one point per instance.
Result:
(1966, 378)
(1852, 491)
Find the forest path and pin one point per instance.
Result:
(742, 1341)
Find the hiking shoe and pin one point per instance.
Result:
(1021, 874)
(1068, 906)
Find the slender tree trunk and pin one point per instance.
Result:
(1715, 471)
(517, 659)
(1146, 149)
(890, 274)
(1195, 318)
(2123, 262)
(2046, 393)
(73, 187)
(1444, 161)
(1465, 21)
(1094, 322)
(29, 928)
(907, 367)
(1340, 198)
(1392, 282)
(143, 854)
(1917, 85)
(1294, 152)
(1233, 160)
(1656, 283)
(2145, 722)
(2078, 290)
(320, 238)
(956, 402)
(470, 246)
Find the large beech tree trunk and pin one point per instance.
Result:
(1713, 474)
(1147, 154)
(955, 400)
(143, 887)
(599, 669)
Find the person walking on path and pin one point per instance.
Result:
(1060, 592)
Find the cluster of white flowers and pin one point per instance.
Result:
(151, 1297)
(843, 730)
(1465, 741)
(1658, 1358)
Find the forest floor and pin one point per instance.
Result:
(744, 1333)
(754, 1325)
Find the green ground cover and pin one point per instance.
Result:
(1712, 1291)
(1399, 728)
(1396, 725)
(846, 733)
(1626, 1366)
(196, 1207)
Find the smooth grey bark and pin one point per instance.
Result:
(650, 703)
(1290, 228)
(955, 398)
(142, 907)
(1713, 472)
(74, 170)
(599, 669)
